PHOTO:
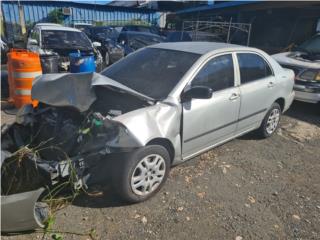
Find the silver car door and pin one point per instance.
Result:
(209, 121)
(257, 90)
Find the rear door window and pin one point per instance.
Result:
(217, 74)
(252, 67)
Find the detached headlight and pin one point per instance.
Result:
(309, 75)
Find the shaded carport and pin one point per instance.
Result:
(275, 25)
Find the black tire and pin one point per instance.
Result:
(121, 179)
(262, 131)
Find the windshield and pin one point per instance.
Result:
(312, 45)
(137, 41)
(65, 39)
(153, 72)
(105, 32)
(153, 30)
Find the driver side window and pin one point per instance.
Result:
(35, 35)
(217, 74)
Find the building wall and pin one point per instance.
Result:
(37, 11)
(275, 25)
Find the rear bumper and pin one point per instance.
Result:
(289, 101)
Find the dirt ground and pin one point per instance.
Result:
(245, 189)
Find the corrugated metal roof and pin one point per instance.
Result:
(38, 11)
(216, 6)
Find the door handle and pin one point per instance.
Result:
(234, 96)
(270, 84)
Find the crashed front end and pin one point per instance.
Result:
(49, 145)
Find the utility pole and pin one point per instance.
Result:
(21, 19)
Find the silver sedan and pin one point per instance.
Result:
(156, 108)
(204, 94)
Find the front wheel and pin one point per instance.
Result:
(271, 121)
(141, 174)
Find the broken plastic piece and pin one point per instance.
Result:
(22, 211)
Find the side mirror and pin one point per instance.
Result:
(33, 41)
(96, 44)
(197, 92)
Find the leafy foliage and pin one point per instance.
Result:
(56, 16)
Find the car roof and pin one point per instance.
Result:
(139, 33)
(101, 27)
(83, 24)
(199, 47)
(48, 24)
(132, 25)
(61, 28)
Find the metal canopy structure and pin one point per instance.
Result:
(30, 12)
(223, 31)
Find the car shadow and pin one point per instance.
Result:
(302, 111)
(307, 112)
(250, 136)
(107, 198)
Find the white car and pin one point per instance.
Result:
(49, 38)
(305, 62)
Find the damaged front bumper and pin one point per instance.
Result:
(23, 211)
(95, 142)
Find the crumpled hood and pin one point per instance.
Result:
(74, 89)
(292, 59)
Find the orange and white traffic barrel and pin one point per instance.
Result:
(23, 68)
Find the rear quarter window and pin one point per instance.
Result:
(252, 67)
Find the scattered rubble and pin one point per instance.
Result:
(300, 131)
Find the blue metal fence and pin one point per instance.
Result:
(37, 11)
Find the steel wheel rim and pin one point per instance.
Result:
(148, 174)
(273, 121)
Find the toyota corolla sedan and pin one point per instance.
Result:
(156, 108)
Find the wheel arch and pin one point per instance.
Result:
(164, 142)
(281, 102)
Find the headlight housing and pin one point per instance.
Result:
(309, 75)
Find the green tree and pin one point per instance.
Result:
(56, 16)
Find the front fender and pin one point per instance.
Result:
(22, 211)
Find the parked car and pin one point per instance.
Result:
(50, 39)
(177, 101)
(132, 41)
(110, 49)
(84, 27)
(140, 28)
(304, 60)
(178, 36)
(202, 36)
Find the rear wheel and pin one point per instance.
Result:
(271, 121)
(141, 174)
